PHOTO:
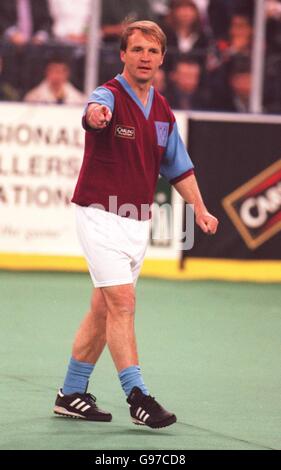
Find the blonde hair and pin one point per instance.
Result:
(146, 27)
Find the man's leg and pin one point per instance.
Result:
(72, 401)
(88, 345)
(90, 338)
(120, 334)
(120, 329)
(121, 340)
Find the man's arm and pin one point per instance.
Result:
(190, 192)
(177, 168)
(100, 107)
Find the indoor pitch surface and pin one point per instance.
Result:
(209, 351)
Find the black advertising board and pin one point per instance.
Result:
(237, 162)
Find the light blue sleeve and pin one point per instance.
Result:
(176, 160)
(101, 95)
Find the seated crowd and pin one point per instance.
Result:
(207, 65)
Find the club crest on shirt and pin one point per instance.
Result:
(162, 131)
(126, 132)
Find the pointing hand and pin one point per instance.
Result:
(98, 116)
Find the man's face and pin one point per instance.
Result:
(240, 27)
(185, 15)
(57, 74)
(142, 57)
(187, 77)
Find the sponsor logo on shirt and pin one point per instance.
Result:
(255, 207)
(126, 132)
(162, 131)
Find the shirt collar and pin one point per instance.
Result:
(145, 109)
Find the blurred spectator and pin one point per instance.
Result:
(272, 85)
(216, 14)
(70, 20)
(56, 87)
(240, 37)
(160, 81)
(22, 21)
(186, 91)
(184, 30)
(240, 83)
(7, 91)
(272, 98)
(273, 31)
(273, 9)
(240, 34)
(219, 14)
(114, 12)
(238, 41)
(159, 8)
(202, 6)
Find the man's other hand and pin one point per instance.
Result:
(207, 222)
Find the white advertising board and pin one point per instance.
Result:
(41, 150)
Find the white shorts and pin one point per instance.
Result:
(114, 246)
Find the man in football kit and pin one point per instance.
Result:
(131, 136)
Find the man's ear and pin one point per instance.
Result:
(163, 57)
(122, 56)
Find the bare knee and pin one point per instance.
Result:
(120, 300)
(98, 305)
(124, 308)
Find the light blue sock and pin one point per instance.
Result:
(131, 377)
(77, 377)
